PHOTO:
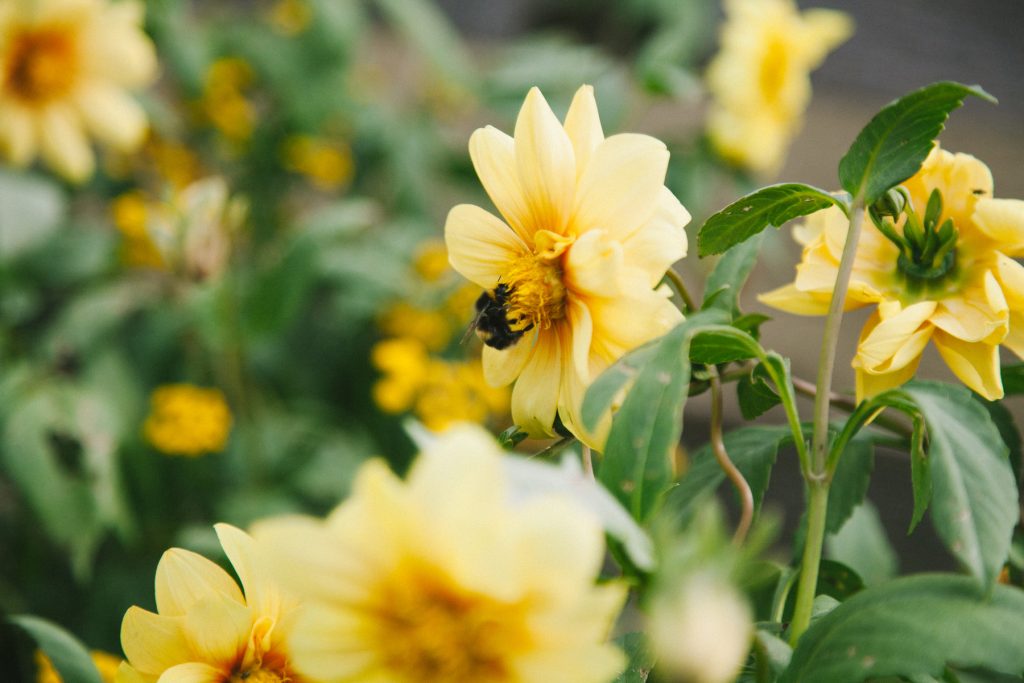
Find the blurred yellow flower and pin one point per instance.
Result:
(188, 420)
(105, 663)
(440, 578)
(404, 362)
(431, 261)
(224, 100)
(65, 68)
(966, 292)
(205, 629)
(571, 274)
(760, 80)
(431, 327)
(328, 165)
(130, 212)
(290, 17)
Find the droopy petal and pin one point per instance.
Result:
(975, 363)
(112, 115)
(217, 629)
(184, 577)
(153, 642)
(792, 300)
(583, 125)
(594, 265)
(621, 185)
(545, 162)
(871, 384)
(193, 672)
(977, 314)
(63, 143)
(1003, 221)
(661, 242)
(494, 158)
(535, 396)
(895, 341)
(480, 247)
(502, 367)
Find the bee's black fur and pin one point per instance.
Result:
(492, 323)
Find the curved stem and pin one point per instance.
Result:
(680, 287)
(731, 471)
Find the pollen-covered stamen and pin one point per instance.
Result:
(927, 246)
(536, 291)
(42, 64)
(258, 675)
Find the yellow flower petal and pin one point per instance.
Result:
(194, 672)
(594, 265)
(870, 384)
(502, 367)
(625, 322)
(535, 396)
(260, 594)
(1015, 337)
(975, 363)
(545, 163)
(63, 144)
(977, 314)
(480, 246)
(581, 334)
(890, 343)
(126, 674)
(330, 644)
(153, 642)
(184, 578)
(217, 629)
(1010, 274)
(1003, 221)
(583, 126)
(17, 133)
(554, 532)
(792, 300)
(116, 48)
(494, 158)
(661, 241)
(824, 30)
(620, 188)
(111, 115)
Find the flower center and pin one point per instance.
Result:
(431, 632)
(41, 64)
(928, 247)
(536, 290)
(258, 676)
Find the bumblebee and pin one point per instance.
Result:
(493, 324)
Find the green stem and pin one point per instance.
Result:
(680, 287)
(731, 471)
(816, 476)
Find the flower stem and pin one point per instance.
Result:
(730, 469)
(680, 287)
(816, 477)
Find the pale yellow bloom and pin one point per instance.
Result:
(572, 271)
(327, 164)
(188, 420)
(130, 212)
(224, 99)
(290, 17)
(106, 664)
(442, 578)
(968, 311)
(403, 362)
(432, 327)
(66, 67)
(206, 630)
(431, 261)
(760, 79)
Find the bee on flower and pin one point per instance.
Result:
(760, 80)
(937, 260)
(571, 270)
(66, 69)
(188, 420)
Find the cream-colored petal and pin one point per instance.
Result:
(823, 31)
(480, 246)
(502, 367)
(112, 115)
(620, 188)
(333, 644)
(184, 577)
(661, 241)
(545, 163)
(535, 396)
(153, 642)
(891, 343)
(975, 363)
(1010, 274)
(18, 137)
(594, 265)
(260, 594)
(494, 158)
(217, 629)
(583, 125)
(869, 384)
(63, 143)
(554, 532)
(978, 314)
(194, 672)
(792, 300)
(578, 336)
(624, 323)
(117, 50)
(1003, 221)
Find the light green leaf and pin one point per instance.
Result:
(429, 31)
(68, 656)
(641, 659)
(863, 545)
(724, 283)
(770, 206)
(896, 141)
(723, 344)
(913, 625)
(31, 209)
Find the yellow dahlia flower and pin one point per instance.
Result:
(966, 292)
(65, 66)
(571, 273)
(760, 79)
(440, 578)
(188, 420)
(206, 629)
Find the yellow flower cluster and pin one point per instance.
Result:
(188, 420)
(290, 17)
(438, 391)
(328, 165)
(224, 101)
(105, 663)
(760, 79)
(130, 212)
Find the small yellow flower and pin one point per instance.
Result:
(65, 68)
(432, 328)
(760, 79)
(290, 17)
(571, 274)
(431, 261)
(106, 664)
(188, 420)
(968, 298)
(205, 629)
(440, 578)
(224, 100)
(456, 391)
(130, 212)
(404, 362)
(328, 165)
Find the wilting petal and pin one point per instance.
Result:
(621, 185)
(595, 265)
(792, 300)
(112, 115)
(892, 343)
(871, 384)
(494, 158)
(545, 163)
(661, 241)
(184, 577)
(63, 143)
(977, 314)
(583, 126)
(1003, 221)
(153, 642)
(480, 247)
(502, 367)
(193, 672)
(975, 363)
(535, 397)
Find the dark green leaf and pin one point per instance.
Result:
(770, 206)
(849, 483)
(913, 625)
(1007, 426)
(755, 393)
(68, 656)
(723, 344)
(641, 659)
(896, 141)
(723, 286)
(511, 437)
(862, 545)
(602, 393)
(1013, 379)
(774, 651)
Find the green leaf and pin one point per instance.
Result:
(430, 32)
(641, 659)
(1013, 379)
(974, 497)
(68, 656)
(606, 388)
(849, 483)
(723, 286)
(770, 206)
(896, 141)
(31, 210)
(723, 344)
(774, 651)
(756, 396)
(863, 545)
(913, 625)
(511, 437)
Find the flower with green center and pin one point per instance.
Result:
(571, 274)
(760, 79)
(447, 577)
(939, 264)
